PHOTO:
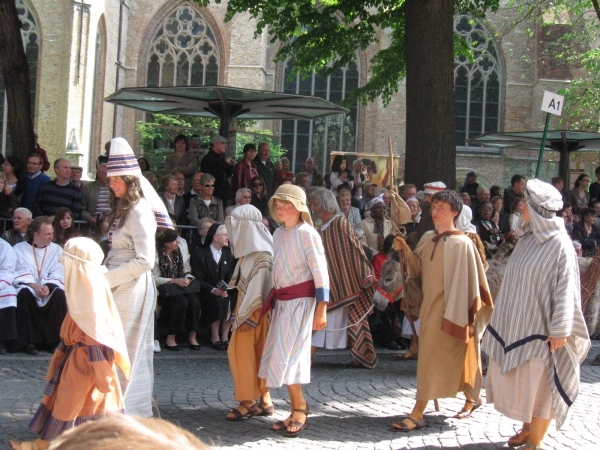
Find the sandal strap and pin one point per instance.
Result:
(306, 412)
(416, 422)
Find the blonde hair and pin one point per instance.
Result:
(2, 176)
(118, 431)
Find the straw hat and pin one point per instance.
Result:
(296, 196)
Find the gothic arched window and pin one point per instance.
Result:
(476, 83)
(183, 51)
(31, 39)
(319, 137)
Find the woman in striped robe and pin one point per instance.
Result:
(537, 336)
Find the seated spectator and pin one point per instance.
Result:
(376, 226)
(39, 279)
(466, 198)
(213, 265)
(578, 249)
(60, 192)
(516, 190)
(33, 182)
(302, 180)
(579, 197)
(76, 174)
(515, 214)
(260, 200)
(20, 231)
(283, 172)
(203, 226)
(12, 167)
(206, 204)
(415, 214)
(559, 183)
(586, 232)
(483, 195)
(245, 169)
(181, 185)
(151, 177)
(8, 296)
(144, 164)
(196, 189)
(180, 311)
(498, 205)
(64, 226)
(487, 230)
(243, 196)
(174, 203)
(352, 214)
(8, 202)
(96, 197)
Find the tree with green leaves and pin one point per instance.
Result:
(325, 35)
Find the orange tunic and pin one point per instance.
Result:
(82, 384)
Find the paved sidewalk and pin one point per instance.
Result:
(350, 408)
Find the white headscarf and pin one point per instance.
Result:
(122, 161)
(375, 200)
(89, 298)
(542, 201)
(463, 222)
(247, 232)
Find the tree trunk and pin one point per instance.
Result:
(15, 71)
(430, 143)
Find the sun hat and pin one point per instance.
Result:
(434, 187)
(122, 162)
(296, 196)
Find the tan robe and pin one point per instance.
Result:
(448, 365)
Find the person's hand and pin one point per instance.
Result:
(320, 319)
(229, 161)
(471, 331)
(182, 282)
(224, 294)
(265, 222)
(218, 292)
(41, 290)
(7, 190)
(556, 343)
(370, 282)
(342, 175)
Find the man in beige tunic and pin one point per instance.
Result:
(455, 311)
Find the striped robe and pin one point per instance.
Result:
(130, 262)
(540, 297)
(349, 269)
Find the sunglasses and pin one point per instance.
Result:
(209, 185)
(258, 184)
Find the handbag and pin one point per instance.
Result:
(168, 290)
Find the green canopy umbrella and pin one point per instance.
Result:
(225, 103)
(562, 141)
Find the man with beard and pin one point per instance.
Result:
(351, 280)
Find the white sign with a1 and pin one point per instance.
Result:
(552, 103)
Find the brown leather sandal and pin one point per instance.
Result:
(265, 411)
(301, 426)
(404, 428)
(235, 415)
(466, 413)
(520, 438)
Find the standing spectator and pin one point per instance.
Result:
(358, 178)
(174, 203)
(265, 168)
(339, 174)
(213, 265)
(314, 177)
(8, 202)
(60, 192)
(220, 167)
(284, 173)
(260, 200)
(8, 296)
(369, 191)
(144, 164)
(486, 228)
(39, 278)
(587, 232)
(515, 214)
(301, 283)
(64, 226)
(471, 186)
(180, 312)
(253, 248)
(206, 204)
(34, 182)
(20, 231)
(103, 159)
(466, 199)
(243, 196)
(483, 196)
(596, 207)
(40, 151)
(182, 160)
(559, 183)
(12, 167)
(532, 377)
(76, 174)
(595, 187)
(352, 214)
(96, 197)
(495, 191)
(302, 180)
(516, 190)
(415, 215)
(196, 189)
(408, 191)
(578, 197)
(245, 169)
(137, 211)
(426, 223)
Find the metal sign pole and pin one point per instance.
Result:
(539, 163)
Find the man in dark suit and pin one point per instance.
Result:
(265, 168)
(219, 167)
(175, 204)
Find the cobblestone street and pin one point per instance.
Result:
(350, 408)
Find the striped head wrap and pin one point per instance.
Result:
(121, 162)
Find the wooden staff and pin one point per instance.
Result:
(391, 163)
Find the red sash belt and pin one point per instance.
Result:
(300, 290)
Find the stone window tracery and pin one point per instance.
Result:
(476, 83)
(319, 137)
(184, 51)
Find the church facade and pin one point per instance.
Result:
(80, 52)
